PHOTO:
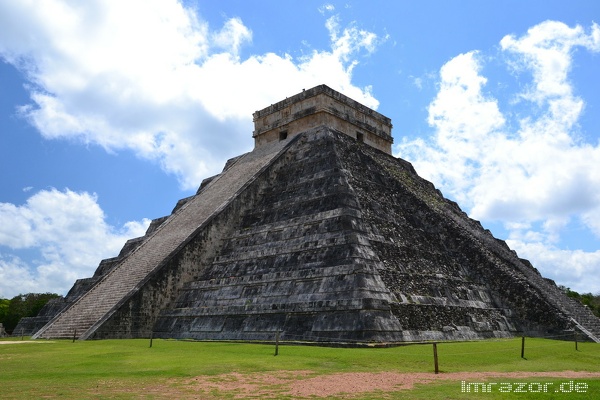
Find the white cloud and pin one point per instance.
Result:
(350, 40)
(546, 51)
(69, 233)
(425, 80)
(570, 268)
(151, 76)
(465, 121)
(231, 37)
(15, 274)
(327, 7)
(526, 165)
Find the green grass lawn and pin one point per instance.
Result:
(123, 368)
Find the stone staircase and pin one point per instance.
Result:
(579, 315)
(584, 320)
(585, 331)
(86, 314)
(297, 262)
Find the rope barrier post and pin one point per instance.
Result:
(74, 335)
(22, 333)
(277, 342)
(575, 334)
(151, 334)
(435, 358)
(523, 347)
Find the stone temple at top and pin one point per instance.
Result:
(322, 106)
(320, 235)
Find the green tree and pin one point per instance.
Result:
(23, 305)
(4, 303)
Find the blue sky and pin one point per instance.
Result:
(112, 111)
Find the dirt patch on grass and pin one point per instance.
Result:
(23, 341)
(266, 385)
(304, 384)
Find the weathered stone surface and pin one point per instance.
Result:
(322, 238)
(322, 106)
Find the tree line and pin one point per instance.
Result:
(22, 305)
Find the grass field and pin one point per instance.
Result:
(209, 370)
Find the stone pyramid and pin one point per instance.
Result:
(319, 234)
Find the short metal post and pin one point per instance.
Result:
(151, 334)
(74, 335)
(435, 358)
(575, 334)
(523, 347)
(277, 343)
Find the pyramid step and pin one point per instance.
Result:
(585, 331)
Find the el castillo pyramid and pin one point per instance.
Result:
(321, 235)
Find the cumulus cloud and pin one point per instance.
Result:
(164, 84)
(546, 51)
(526, 166)
(566, 267)
(465, 121)
(69, 235)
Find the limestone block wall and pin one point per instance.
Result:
(136, 315)
(440, 263)
(322, 106)
(296, 262)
